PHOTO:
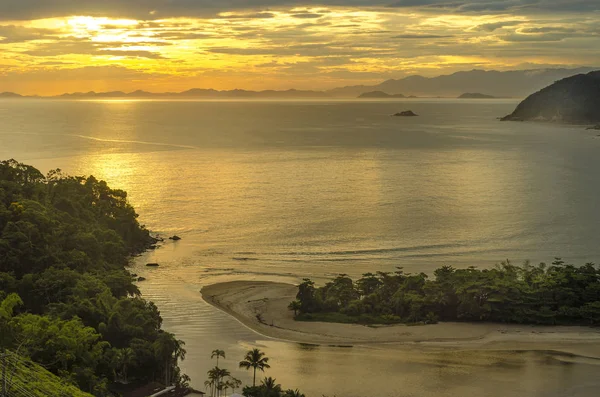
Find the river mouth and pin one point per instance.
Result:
(421, 369)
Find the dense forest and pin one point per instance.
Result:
(67, 301)
(545, 294)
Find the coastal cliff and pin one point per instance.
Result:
(573, 100)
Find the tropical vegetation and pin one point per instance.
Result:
(553, 294)
(220, 379)
(67, 301)
(24, 378)
(255, 359)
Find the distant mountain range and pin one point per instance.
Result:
(199, 93)
(517, 84)
(10, 95)
(385, 95)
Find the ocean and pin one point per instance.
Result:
(281, 190)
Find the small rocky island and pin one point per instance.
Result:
(379, 94)
(475, 95)
(574, 100)
(406, 113)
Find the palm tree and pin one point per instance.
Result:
(223, 386)
(293, 393)
(271, 388)
(126, 357)
(210, 384)
(234, 383)
(295, 306)
(217, 353)
(220, 385)
(215, 380)
(257, 360)
(168, 350)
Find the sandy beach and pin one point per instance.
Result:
(246, 299)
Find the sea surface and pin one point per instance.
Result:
(283, 190)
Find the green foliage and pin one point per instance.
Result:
(217, 381)
(555, 294)
(64, 244)
(306, 296)
(293, 393)
(295, 306)
(256, 360)
(26, 379)
(220, 379)
(270, 388)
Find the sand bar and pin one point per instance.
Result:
(245, 299)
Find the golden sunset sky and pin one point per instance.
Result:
(56, 46)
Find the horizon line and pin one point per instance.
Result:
(141, 91)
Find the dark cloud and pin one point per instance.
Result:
(64, 47)
(549, 37)
(313, 50)
(548, 29)
(306, 15)
(131, 54)
(20, 34)
(100, 73)
(490, 27)
(502, 6)
(55, 63)
(421, 36)
(155, 9)
(256, 15)
(181, 35)
(86, 47)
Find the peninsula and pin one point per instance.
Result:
(263, 307)
(574, 100)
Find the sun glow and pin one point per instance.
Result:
(300, 47)
(98, 24)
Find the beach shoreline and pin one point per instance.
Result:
(262, 307)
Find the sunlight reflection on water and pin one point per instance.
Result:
(280, 191)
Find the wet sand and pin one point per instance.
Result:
(244, 300)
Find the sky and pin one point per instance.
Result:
(50, 47)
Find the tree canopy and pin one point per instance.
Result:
(67, 300)
(554, 294)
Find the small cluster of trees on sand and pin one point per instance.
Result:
(544, 294)
(66, 300)
(220, 380)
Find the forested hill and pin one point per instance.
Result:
(575, 99)
(66, 299)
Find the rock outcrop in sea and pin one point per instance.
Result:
(406, 113)
(574, 100)
(475, 95)
(380, 94)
